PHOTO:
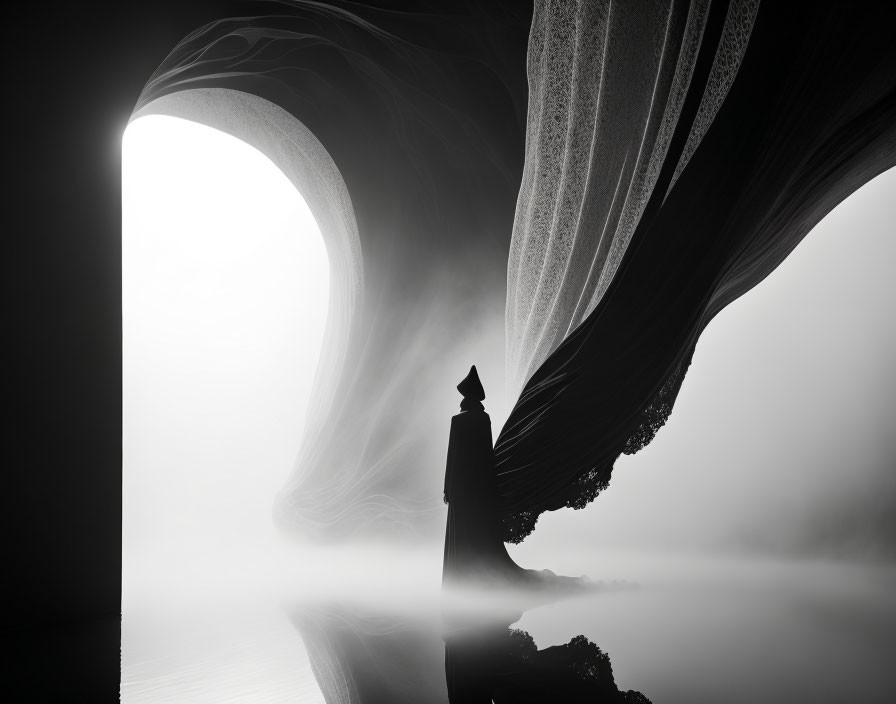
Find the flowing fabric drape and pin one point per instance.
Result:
(676, 154)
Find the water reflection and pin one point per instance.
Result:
(462, 654)
(375, 628)
(492, 662)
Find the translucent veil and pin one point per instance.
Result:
(676, 154)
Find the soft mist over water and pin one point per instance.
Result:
(680, 628)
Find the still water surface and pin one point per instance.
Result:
(672, 628)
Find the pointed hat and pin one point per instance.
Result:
(471, 387)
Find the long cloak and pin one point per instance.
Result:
(473, 544)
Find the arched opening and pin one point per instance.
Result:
(225, 294)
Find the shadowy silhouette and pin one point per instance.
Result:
(473, 545)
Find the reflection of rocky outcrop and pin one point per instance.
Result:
(494, 663)
(577, 671)
(389, 658)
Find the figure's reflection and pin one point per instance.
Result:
(364, 657)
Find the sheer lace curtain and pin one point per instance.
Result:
(675, 153)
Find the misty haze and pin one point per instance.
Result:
(760, 506)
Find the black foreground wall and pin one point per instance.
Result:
(73, 73)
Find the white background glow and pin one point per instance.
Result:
(224, 296)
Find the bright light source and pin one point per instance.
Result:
(224, 294)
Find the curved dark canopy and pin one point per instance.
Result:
(809, 118)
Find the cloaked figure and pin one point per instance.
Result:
(474, 548)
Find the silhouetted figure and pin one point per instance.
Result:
(473, 544)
